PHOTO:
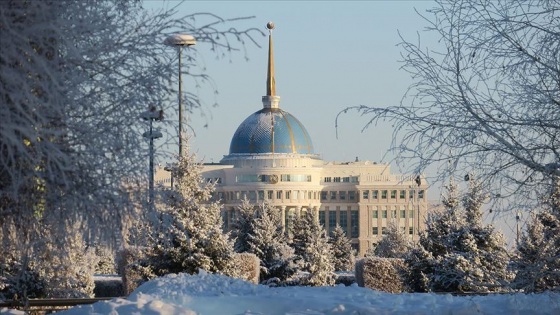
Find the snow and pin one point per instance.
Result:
(215, 294)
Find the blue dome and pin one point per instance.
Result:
(254, 135)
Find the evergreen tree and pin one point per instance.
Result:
(476, 258)
(66, 266)
(538, 252)
(311, 243)
(458, 252)
(195, 239)
(243, 226)
(343, 254)
(395, 244)
(269, 243)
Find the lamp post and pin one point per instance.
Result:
(179, 41)
(151, 115)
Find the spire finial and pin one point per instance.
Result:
(270, 82)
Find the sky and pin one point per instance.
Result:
(329, 55)
(214, 294)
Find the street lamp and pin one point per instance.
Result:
(180, 40)
(151, 115)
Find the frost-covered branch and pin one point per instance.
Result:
(486, 99)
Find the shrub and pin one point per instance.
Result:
(383, 274)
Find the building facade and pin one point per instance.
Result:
(271, 159)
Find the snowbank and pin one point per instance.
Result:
(214, 294)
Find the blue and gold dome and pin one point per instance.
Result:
(271, 129)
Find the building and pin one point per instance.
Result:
(271, 159)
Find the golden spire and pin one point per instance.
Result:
(270, 82)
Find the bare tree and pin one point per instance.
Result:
(486, 98)
(74, 78)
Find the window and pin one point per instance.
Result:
(411, 194)
(288, 194)
(278, 194)
(375, 230)
(355, 223)
(393, 194)
(252, 195)
(402, 194)
(383, 231)
(231, 216)
(261, 194)
(220, 195)
(248, 178)
(411, 230)
(351, 195)
(323, 195)
(333, 195)
(354, 179)
(375, 214)
(383, 194)
(243, 195)
(365, 194)
(332, 221)
(270, 193)
(403, 214)
(342, 195)
(345, 179)
(322, 217)
(344, 221)
(421, 194)
(295, 178)
(374, 194)
(337, 179)
(384, 214)
(327, 179)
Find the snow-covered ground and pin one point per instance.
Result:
(214, 294)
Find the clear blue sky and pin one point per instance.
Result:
(328, 55)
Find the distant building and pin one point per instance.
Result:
(271, 158)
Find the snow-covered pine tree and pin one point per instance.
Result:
(394, 244)
(343, 254)
(477, 259)
(243, 226)
(104, 260)
(441, 224)
(311, 243)
(270, 244)
(434, 241)
(457, 251)
(538, 252)
(66, 266)
(195, 238)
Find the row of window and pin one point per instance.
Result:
(402, 214)
(375, 230)
(338, 195)
(342, 221)
(332, 195)
(264, 178)
(391, 194)
(346, 179)
(260, 195)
